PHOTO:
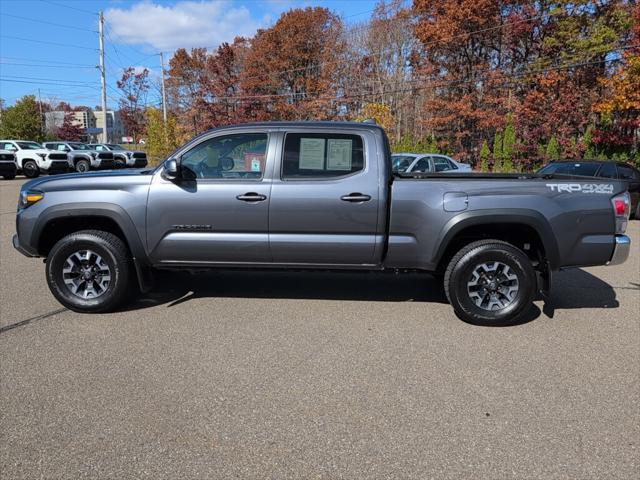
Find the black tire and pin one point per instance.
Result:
(120, 163)
(30, 169)
(83, 166)
(463, 270)
(11, 176)
(114, 255)
(637, 214)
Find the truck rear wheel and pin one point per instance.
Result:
(89, 271)
(490, 282)
(30, 169)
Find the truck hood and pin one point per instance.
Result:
(89, 180)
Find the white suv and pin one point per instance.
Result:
(33, 159)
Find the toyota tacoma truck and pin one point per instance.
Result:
(32, 159)
(82, 157)
(124, 158)
(317, 195)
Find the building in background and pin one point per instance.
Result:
(91, 122)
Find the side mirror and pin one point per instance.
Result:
(170, 169)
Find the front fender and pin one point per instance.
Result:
(92, 209)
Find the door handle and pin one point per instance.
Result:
(252, 197)
(355, 197)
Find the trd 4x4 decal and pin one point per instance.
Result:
(606, 188)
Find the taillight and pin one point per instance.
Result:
(622, 209)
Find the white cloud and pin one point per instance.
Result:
(185, 24)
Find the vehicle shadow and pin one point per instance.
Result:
(174, 288)
(572, 289)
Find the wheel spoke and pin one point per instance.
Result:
(492, 286)
(86, 274)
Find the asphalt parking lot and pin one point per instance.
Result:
(316, 375)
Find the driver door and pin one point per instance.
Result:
(219, 213)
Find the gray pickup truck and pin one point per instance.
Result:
(317, 195)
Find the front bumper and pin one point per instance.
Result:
(621, 250)
(8, 168)
(21, 248)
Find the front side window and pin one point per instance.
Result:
(322, 155)
(400, 163)
(62, 147)
(29, 145)
(239, 156)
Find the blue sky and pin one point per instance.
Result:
(53, 45)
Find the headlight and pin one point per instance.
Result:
(129, 154)
(94, 154)
(29, 197)
(43, 155)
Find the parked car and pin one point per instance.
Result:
(82, 157)
(122, 156)
(33, 159)
(318, 195)
(426, 163)
(8, 165)
(602, 169)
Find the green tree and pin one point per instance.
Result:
(508, 145)
(23, 120)
(497, 152)
(162, 138)
(485, 153)
(590, 148)
(553, 149)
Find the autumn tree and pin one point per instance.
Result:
(290, 69)
(134, 86)
(70, 130)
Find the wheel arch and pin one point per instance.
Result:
(516, 225)
(60, 220)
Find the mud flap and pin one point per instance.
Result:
(145, 276)
(545, 278)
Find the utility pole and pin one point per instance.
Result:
(102, 78)
(164, 96)
(42, 123)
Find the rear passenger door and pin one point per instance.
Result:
(325, 199)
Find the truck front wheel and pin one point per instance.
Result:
(30, 169)
(89, 271)
(83, 166)
(490, 282)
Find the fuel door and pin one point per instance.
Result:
(455, 201)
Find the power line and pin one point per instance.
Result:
(44, 61)
(60, 80)
(39, 65)
(48, 43)
(69, 7)
(47, 23)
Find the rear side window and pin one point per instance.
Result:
(441, 164)
(584, 169)
(608, 170)
(628, 173)
(421, 166)
(320, 155)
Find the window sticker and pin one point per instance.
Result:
(339, 154)
(311, 154)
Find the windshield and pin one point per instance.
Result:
(400, 163)
(79, 146)
(29, 145)
(113, 146)
(571, 168)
